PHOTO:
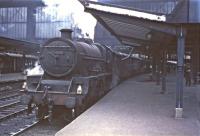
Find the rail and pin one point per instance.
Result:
(27, 127)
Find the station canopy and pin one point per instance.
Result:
(20, 46)
(133, 27)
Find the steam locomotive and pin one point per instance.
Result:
(76, 74)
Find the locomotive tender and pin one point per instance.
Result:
(75, 74)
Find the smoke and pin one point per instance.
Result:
(37, 70)
(66, 8)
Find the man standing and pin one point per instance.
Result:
(188, 76)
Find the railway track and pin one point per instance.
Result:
(17, 125)
(13, 116)
(9, 101)
(8, 97)
(7, 93)
(7, 89)
(11, 110)
(26, 128)
(14, 119)
(10, 107)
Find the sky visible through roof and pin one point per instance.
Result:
(64, 8)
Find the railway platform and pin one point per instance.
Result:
(137, 108)
(12, 77)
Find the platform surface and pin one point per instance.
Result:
(136, 108)
(12, 77)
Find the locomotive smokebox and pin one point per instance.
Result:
(66, 33)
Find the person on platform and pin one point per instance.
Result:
(188, 76)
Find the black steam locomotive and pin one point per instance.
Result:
(75, 74)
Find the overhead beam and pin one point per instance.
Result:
(130, 43)
(136, 40)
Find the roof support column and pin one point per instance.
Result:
(180, 72)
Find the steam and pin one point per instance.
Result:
(37, 70)
(71, 8)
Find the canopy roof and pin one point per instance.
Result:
(13, 45)
(132, 27)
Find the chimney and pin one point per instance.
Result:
(66, 33)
